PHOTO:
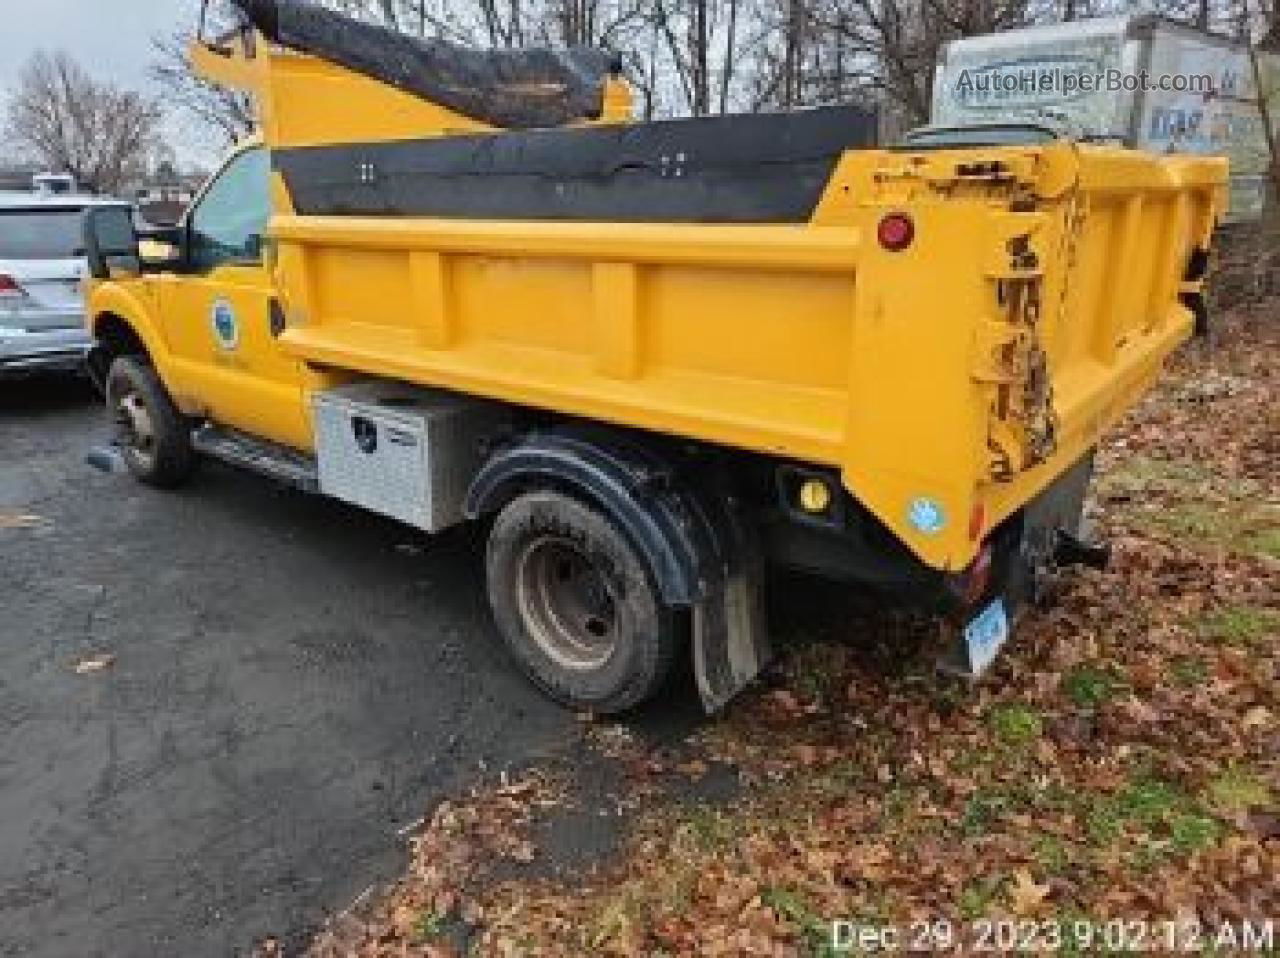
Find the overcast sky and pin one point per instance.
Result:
(110, 38)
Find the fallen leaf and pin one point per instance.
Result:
(268, 947)
(694, 768)
(21, 520)
(1257, 717)
(1025, 895)
(95, 663)
(523, 852)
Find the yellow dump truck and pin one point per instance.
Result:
(446, 286)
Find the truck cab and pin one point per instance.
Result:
(204, 295)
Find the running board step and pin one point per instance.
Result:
(258, 455)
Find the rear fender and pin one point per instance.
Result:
(630, 484)
(701, 553)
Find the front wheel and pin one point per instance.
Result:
(576, 604)
(153, 436)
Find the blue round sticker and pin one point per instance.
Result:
(225, 328)
(927, 515)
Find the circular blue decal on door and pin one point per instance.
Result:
(225, 328)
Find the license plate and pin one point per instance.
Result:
(985, 634)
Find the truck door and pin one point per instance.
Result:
(220, 316)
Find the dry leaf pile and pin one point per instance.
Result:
(1121, 762)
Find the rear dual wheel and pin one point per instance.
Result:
(576, 604)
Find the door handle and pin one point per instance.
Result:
(275, 317)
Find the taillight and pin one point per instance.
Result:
(9, 288)
(895, 232)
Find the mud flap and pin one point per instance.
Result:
(730, 635)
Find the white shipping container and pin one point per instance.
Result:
(1071, 72)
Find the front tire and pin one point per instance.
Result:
(153, 436)
(576, 604)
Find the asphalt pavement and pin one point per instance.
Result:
(285, 684)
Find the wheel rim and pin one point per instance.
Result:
(135, 430)
(566, 603)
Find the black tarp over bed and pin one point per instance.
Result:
(756, 168)
(515, 89)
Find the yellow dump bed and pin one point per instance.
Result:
(1039, 294)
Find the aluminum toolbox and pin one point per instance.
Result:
(399, 450)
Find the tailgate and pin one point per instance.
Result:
(1044, 288)
(1122, 255)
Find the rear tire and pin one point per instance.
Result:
(153, 436)
(576, 604)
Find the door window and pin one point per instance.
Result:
(230, 221)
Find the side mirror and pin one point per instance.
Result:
(111, 242)
(162, 248)
(157, 252)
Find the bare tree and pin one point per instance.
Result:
(228, 115)
(1264, 22)
(891, 46)
(70, 122)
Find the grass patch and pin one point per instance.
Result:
(1265, 542)
(1143, 475)
(1148, 801)
(984, 808)
(1089, 686)
(1016, 724)
(428, 927)
(1076, 928)
(1159, 819)
(1140, 804)
(1239, 625)
(977, 897)
(1191, 831)
(840, 778)
(1238, 790)
(1238, 526)
(1052, 854)
(1176, 497)
(710, 827)
(791, 906)
(1188, 671)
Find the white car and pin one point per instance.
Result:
(42, 269)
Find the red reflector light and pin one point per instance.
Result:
(977, 521)
(896, 231)
(8, 285)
